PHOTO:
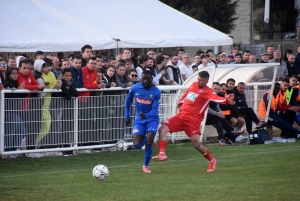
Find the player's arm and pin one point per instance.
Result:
(155, 106)
(218, 99)
(128, 103)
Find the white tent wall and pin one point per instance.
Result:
(67, 25)
(31, 25)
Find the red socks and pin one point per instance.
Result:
(208, 156)
(162, 144)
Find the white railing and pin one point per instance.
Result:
(56, 124)
(63, 125)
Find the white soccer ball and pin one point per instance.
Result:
(100, 172)
(122, 145)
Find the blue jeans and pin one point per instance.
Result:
(14, 130)
(276, 120)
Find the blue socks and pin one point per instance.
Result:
(147, 155)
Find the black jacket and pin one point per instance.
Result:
(69, 92)
(240, 100)
(15, 98)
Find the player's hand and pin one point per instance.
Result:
(142, 115)
(230, 97)
(127, 122)
(221, 114)
(179, 105)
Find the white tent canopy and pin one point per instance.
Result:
(67, 25)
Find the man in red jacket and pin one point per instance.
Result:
(89, 75)
(86, 104)
(26, 78)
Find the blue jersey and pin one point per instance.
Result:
(145, 100)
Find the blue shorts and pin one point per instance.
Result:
(143, 128)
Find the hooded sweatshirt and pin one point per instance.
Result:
(18, 60)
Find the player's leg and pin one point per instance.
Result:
(195, 139)
(138, 135)
(138, 140)
(148, 151)
(162, 143)
(173, 124)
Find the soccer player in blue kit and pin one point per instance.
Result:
(146, 99)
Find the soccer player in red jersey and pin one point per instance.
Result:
(193, 105)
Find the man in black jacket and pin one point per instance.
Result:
(247, 112)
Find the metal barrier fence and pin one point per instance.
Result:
(57, 124)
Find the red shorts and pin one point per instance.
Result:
(182, 123)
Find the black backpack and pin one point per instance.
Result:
(260, 136)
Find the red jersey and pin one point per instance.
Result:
(196, 100)
(88, 82)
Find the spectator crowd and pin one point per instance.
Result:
(125, 69)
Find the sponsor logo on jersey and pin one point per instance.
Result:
(151, 95)
(191, 96)
(144, 101)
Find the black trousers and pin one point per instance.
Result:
(250, 117)
(219, 124)
(289, 116)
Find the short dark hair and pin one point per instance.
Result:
(71, 56)
(246, 51)
(39, 53)
(147, 72)
(230, 80)
(11, 57)
(65, 70)
(159, 59)
(127, 60)
(86, 47)
(174, 55)
(238, 54)
(120, 65)
(204, 74)
(99, 56)
(91, 58)
(76, 57)
(181, 49)
(24, 61)
(48, 61)
(241, 83)
(216, 83)
(130, 71)
(270, 46)
(199, 52)
(142, 58)
(293, 76)
(286, 80)
(112, 57)
(223, 84)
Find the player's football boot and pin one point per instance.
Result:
(212, 165)
(146, 169)
(160, 157)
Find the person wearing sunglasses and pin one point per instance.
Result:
(3, 68)
(132, 75)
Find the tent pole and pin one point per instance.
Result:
(117, 49)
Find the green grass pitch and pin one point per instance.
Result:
(256, 172)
